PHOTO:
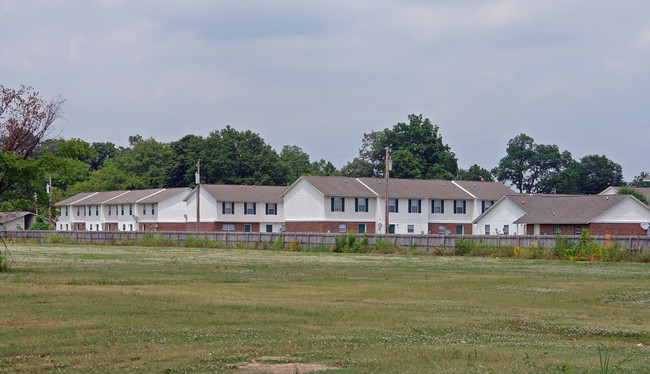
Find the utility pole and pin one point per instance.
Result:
(198, 195)
(386, 197)
(49, 205)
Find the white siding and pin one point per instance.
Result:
(305, 203)
(501, 214)
(628, 211)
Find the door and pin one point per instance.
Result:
(391, 229)
(536, 229)
(362, 228)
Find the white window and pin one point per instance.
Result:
(338, 204)
(437, 206)
(271, 209)
(228, 227)
(459, 206)
(393, 205)
(123, 210)
(249, 208)
(130, 227)
(342, 227)
(130, 209)
(124, 227)
(487, 229)
(441, 229)
(410, 228)
(577, 230)
(486, 205)
(415, 205)
(361, 204)
(228, 208)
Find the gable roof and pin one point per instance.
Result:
(645, 191)
(485, 190)
(337, 186)
(75, 198)
(99, 198)
(564, 209)
(417, 188)
(240, 193)
(11, 216)
(164, 194)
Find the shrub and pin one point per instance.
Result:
(4, 262)
(277, 244)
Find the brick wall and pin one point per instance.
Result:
(324, 227)
(451, 227)
(633, 229)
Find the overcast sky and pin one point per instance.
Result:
(320, 74)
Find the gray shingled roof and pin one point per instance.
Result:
(165, 193)
(339, 186)
(10, 216)
(422, 188)
(131, 197)
(99, 198)
(486, 190)
(645, 191)
(74, 198)
(239, 193)
(563, 209)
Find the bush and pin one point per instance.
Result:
(39, 224)
(4, 263)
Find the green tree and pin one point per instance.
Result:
(186, 152)
(529, 166)
(323, 167)
(358, 168)
(475, 173)
(416, 149)
(103, 151)
(296, 162)
(40, 223)
(638, 180)
(235, 157)
(26, 121)
(596, 173)
(631, 191)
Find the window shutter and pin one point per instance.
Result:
(254, 208)
(223, 207)
(464, 206)
(482, 206)
(356, 204)
(245, 208)
(442, 206)
(366, 205)
(343, 204)
(432, 205)
(332, 199)
(419, 206)
(267, 209)
(455, 206)
(396, 205)
(409, 205)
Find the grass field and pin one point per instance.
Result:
(135, 309)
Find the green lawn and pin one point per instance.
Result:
(135, 309)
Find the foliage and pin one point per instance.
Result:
(5, 266)
(40, 223)
(586, 249)
(638, 180)
(475, 173)
(596, 173)
(528, 165)
(349, 243)
(26, 121)
(631, 191)
(416, 149)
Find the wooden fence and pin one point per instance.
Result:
(232, 239)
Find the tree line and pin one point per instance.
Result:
(30, 154)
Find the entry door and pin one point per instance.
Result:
(536, 229)
(362, 228)
(391, 229)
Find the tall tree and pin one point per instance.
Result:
(638, 181)
(296, 162)
(416, 149)
(475, 173)
(596, 173)
(527, 165)
(26, 120)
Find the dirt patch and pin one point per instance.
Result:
(282, 368)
